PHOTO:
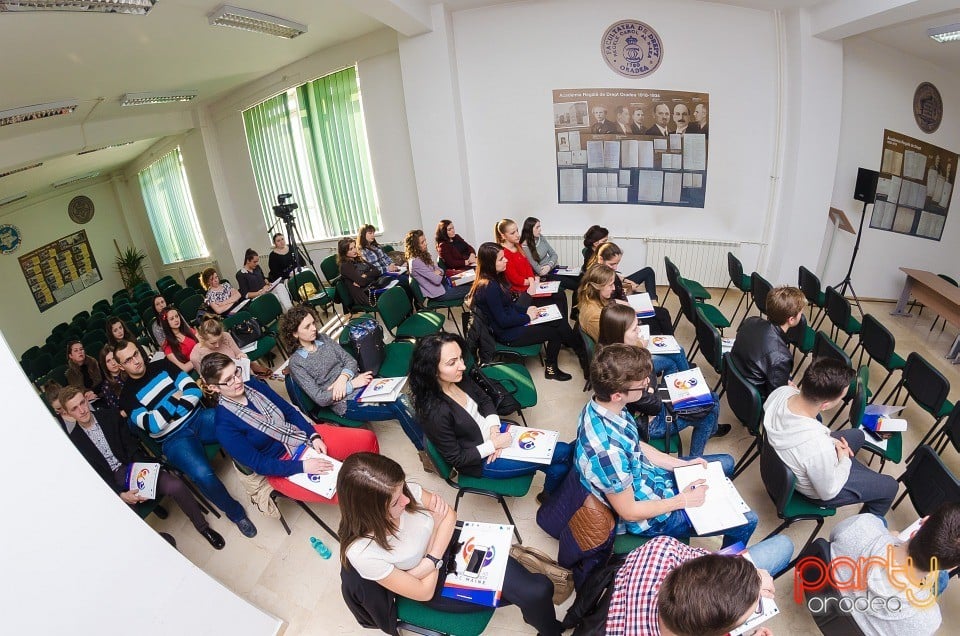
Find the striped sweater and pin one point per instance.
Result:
(151, 403)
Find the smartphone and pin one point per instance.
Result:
(872, 434)
(476, 561)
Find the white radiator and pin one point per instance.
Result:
(702, 260)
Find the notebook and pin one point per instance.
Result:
(723, 508)
(383, 390)
(324, 485)
(142, 477)
(479, 560)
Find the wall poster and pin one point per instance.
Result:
(914, 188)
(60, 269)
(640, 147)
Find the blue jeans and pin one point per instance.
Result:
(667, 363)
(555, 471)
(399, 410)
(703, 428)
(773, 554)
(678, 524)
(184, 449)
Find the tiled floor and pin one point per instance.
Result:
(285, 576)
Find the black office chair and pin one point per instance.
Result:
(830, 619)
(761, 288)
(928, 388)
(809, 284)
(928, 482)
(880, 346)
(747, 405)
(739, 280)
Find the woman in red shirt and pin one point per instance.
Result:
(181, 339)
(519, 272)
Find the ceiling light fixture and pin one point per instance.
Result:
(110, 147)
(247, 20)
(37, 111)
(13, 199)
(948, 33)
(134, 7)
(167, 97)
(82, 177)
(16, 170)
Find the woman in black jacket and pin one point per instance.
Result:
(460, 420)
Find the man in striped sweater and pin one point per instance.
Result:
(164, 402)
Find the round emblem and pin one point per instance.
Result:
(80, 209)
(10, 239)
(632, 48)
(927, 107)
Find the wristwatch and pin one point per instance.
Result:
(437, 563)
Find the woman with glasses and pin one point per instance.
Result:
(262, 431)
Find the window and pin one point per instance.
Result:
(311, 142)
(173, 218)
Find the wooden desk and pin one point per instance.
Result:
(935, 293)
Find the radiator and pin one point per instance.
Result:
(702, 260)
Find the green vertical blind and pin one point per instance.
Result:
(311, 142)
(166, 194)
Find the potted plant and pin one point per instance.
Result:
(129, 263)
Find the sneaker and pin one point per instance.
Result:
(722, 430)
(213, 537)
(554, 373)
(247, 528)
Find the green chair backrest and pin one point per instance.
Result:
(394, 307)
(185, 293)
(417, 292)
(193, 281)
(266, 309)
(443, 467)
(859, 402)
(329, 268)
(743, 397)
(232, 321)
(190, 307)
(300, 279)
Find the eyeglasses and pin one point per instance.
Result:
(133, 356)
(641, 387)
(237, 377)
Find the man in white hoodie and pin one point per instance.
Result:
(822, 461)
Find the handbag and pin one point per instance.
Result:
(539, 563)
(246, 332)
(503, 400)
(367, 338)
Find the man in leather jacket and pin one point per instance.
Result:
(762, 348)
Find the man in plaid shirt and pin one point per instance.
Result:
(666, 587)
(634, 478)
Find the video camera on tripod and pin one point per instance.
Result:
(283, 209)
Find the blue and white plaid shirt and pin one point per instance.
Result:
(609, 459)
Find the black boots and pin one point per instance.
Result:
(553, 372)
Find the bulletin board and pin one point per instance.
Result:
(914, 188)
(628, 146)
(60, 269)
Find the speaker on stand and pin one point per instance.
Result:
(866, 191)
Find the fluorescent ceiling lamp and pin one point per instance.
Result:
(253, 21)
(82, 177)
(110, 147)
(13, 199)
(144, 99)
(16, 170)
(943, 34)
(37, 111)
(136, 7)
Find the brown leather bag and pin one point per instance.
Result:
(539, 562)
(592, 524)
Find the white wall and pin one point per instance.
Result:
(878, 91)
(22, 322)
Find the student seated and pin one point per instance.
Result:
(610, 254)
(105, 441)
(634, 478)
(397, 534)
(156, 325)
(117, 329)
(372, 252)
(458, 255)
(761, 350)
(330, 376)
(433, 283)
(261, 430)
(179, 339)
(252, 283)
(82, 370)
(282, 260)
(823, 461)
(618, 324)
(461, 420)
(925, 560)
(360, 276)
(51, 393)
(221, 297)
(113, 378)
(518, 272)
(594, 237)
(213, 338)
(543, 258)
(509, 320)
(666, 587)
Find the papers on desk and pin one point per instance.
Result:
(688, 389)
(546, 314)
(767, 610)
(723, 507)
(480, 563)
(641, 304)
(539, 290)
(662, 344)
(324, 485)
(383, 390)
(534, 445)
(142, 477)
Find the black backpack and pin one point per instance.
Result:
(246, 332)
(479, 339)
(367, 338)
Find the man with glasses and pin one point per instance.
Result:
(164, 402)
(634, 478)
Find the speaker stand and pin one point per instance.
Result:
(847, 282)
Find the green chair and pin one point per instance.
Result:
(398, 316)
(265, 343)
(516, 380)
(893, 449)
(190, 306)
(322, 297)
(803, 338)
(83, 315)
(147, 303)
(193, 281)
(809, 284)
(396, 355)
(422, 619)
(102, 305)
(120, 293)
(697, 290)
(330, 269)
(267, 310)
(163, 281)
(761, 288)
(58, 374)
(747, 406)
(31, 353)
(318, 413)
(344, 298)
(710, 345)
(739, 280)
(839, 313)
(60, 328)
(627, 543)
(185, 293)
(93, 342)
(688, 306)
(934, 324)
(929, 389)
(780, 483)
(493, 488)
(880, 346)
(431, 303)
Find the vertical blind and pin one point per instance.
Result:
(311, 142)
(173, 218)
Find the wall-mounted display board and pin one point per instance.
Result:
(60, 269)
(914, 188)
(628, 146)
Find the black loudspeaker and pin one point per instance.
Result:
(866, 188)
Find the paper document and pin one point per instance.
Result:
(324, 485)
(481, 551)
(723, 507)
(534, 445)
(383, 390)
(142, 477)
(244, 364)
(641, 304)
(464, 278)
(688, 389)
(767, 610)
(663, 345)
(545, 288)
(546, 314)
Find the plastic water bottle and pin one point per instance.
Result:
(320, 547)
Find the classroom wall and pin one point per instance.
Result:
(878, 88)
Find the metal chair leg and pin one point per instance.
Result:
(724, 295)
(319, 521)
(882, 384)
